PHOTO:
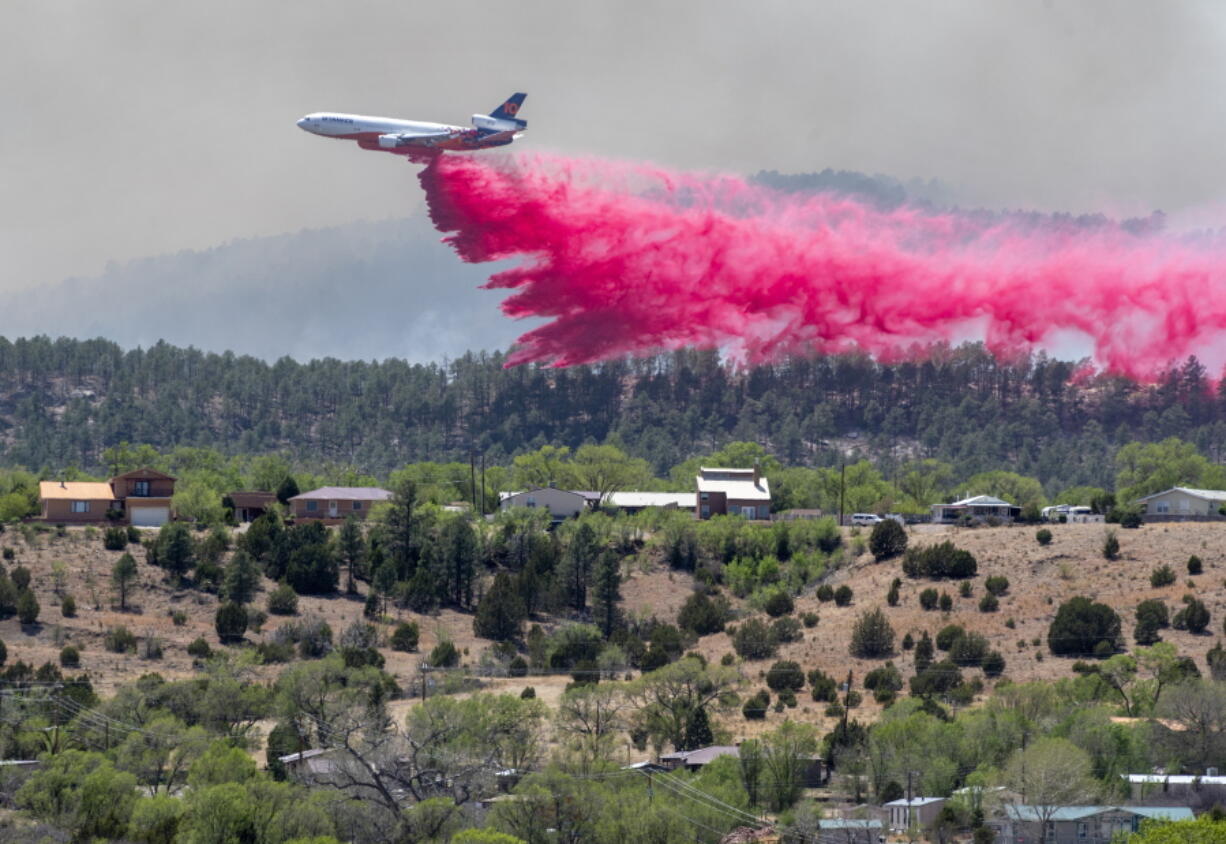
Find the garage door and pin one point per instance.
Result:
(149, 516)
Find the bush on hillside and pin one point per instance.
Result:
(822, 686)
(70, 656)
(755, 707)
(887, 677)
(119, 640)
(825, 593)
(989, 603)
(928, 599)
(283, 600)
(785, 674)
(1152, 616)
(704, 614)
(444, 655)
(68, 606)
(199, 648)
(872, 637)
(405, 637)
(1164, 575)
(842, 595)
(949, 634)
(939, 561)
(1081, 626)
(1043, 535)
(753, 640)
(1194, 617)
(997, 585)
(21, 578)
(230, 622)
(888, 539)
(786, 629)
(969, 650)
(1111, 545)
(115, 539)
(993, 664)
(1195, 566)
(778, 603)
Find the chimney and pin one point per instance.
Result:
(62, 484)
(757, 472)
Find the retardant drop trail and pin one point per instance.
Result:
(627, 259)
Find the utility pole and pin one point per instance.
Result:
(472, 477)
(483, 485)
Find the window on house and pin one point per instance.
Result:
(1162, 507)
(705, 496)
(357, 505)
(312, 506)
(141, 489)
(734, 510)
(706, 510)
(80, 506)
(1083, 830)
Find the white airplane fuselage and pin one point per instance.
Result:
(417, 138)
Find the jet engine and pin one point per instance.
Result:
(390, 141)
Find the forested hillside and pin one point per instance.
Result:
(63, 402)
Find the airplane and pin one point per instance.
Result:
(421, 141)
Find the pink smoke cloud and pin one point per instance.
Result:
(631, 259)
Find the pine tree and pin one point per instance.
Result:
(697, 730)
(500, 612)
(403, 546)
(606, 591)
(123, 573)
(352, 549)
(459, 560)
(577, 564)
(924, 652)
(242, 578)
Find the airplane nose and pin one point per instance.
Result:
(304, 123)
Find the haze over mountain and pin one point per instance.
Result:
(360, 291)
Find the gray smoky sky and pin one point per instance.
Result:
(138, 127)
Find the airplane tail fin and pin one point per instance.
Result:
(509, 110)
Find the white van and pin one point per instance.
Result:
(865, 518)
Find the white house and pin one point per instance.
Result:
(561, 503)
(1178, 789)
(1182, 501)
(919, 812)
(976, 507)
(633, 502)
(736, 492)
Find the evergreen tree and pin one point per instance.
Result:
(123, 574)
(287, 490)
(578, 562)
(459, 560)
(175, 550)
(403, 545)
(697, 731)
(353, 550)
(500, 613)
(242, 578)
(606, 591)
(924, 652)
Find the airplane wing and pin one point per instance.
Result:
(404, 139)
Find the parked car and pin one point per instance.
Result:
(865, 518)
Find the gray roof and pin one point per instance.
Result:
(847, 823)
(980, 501)
(916, 801)
(1076, 813)
(1207, 494)
(704, 754)
(1175, 779)
(344, 493)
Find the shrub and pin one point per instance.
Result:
(825, 593)
(939, 678)
(872, 637)
(785, 674)
(444, 655)
(1111, 545)
(949, 634)
(822, 686)
(753, 640)
(151, 648)
(10, 554)
(178, 618)
(939, 561)
(786, 629)
(70, 657)
(27, 607)
(517, 667)
(969, 650)
(842, 595)
(275, 652)
(68, 606)
(964, 589)
(1194, 617)
(809, 619)
(834, 710)
(946, 602)
(993, 664)
(1043, 536)
(928, 599)
(529, 693)
(133, 535)
(230, 622)
(1130, 519)
(997, 585)
(779, 603)
(405, 637)
(703, 614)
(283, 600)
(908, 642)
(888, 539)
(989, 603)
(199, 648)
(119, 640)
(21, 578)
(886, 678)
(755, 707)
(1195, 566)
(891, 597)
(1164, 575)
(1080, 626)
(115, 539)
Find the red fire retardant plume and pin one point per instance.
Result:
(628, 259)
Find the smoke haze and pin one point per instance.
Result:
(139, 127)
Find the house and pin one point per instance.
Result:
(337, 503)
(813, 776)
(249, 505)
(1181, 502)
(1077, 824)
(633, 502)
(1195, 792)
(310, 764)
(848, 831)
(743, 492)
(918, 812)
(977, 507)
(561, 503)
(141, 497)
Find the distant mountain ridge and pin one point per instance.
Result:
(366, 290)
